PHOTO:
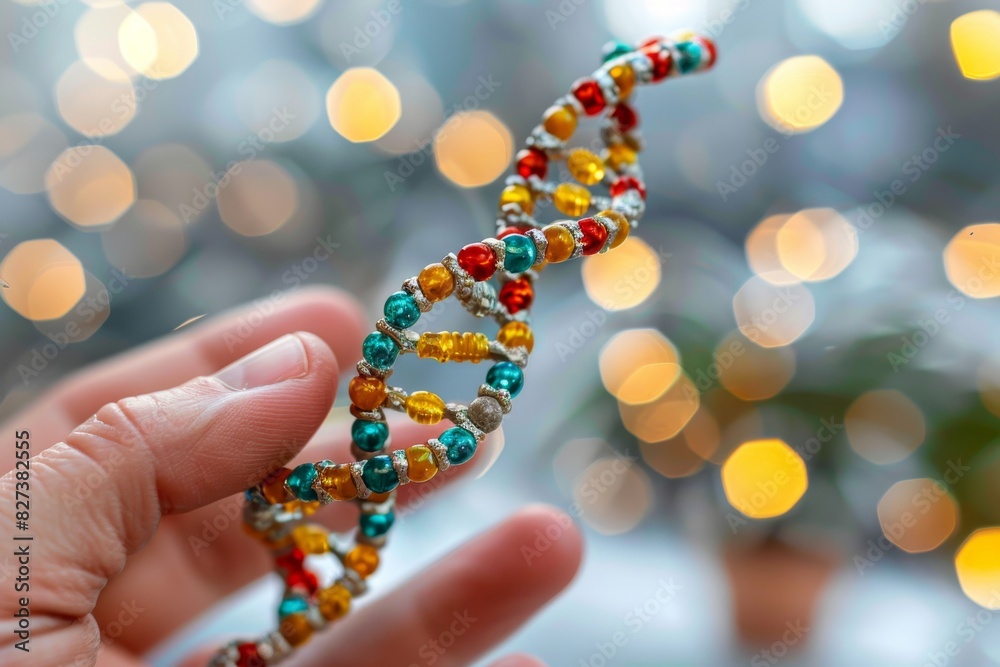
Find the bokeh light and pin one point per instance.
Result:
(975, 40)
(158, 40)
(917, 515)
(664, 417)
(753, 373)
(90, 186)
(258, 197)
(96, 34)
(630, 350)
(624, 278)
(362, 104)
(28, 145)
(473, 148)
(816, 244)
(96, 104)
(423, 113)
(762, 251)
(146, 241)
(44, 279)
(701, 434)
(773, 315)
(613, 495)
(177, 177)
(800, 94)
(84, 319)
(978, 566)
(884, 426)
(283, 12)
(648, 382)
(764, 478)
(672, 458)
(970, 260)
(988, 381)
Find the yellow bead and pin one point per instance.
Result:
(516, 334)
(310, 507)
(425, 407)
(585, 167)
(436, 282)
(363, 559)
(561, 243)
(273, 487)
(296, 629)
(472, 347)
(624, 77)
(518, 194)
(571, 199)
(438, 346)
(334, 602)
(366, 392)
(421, 464)
(623, 226)
(336, 480)
(619, 155)
(378, 497)
(559, 121)
(311, 539)
(453, 346)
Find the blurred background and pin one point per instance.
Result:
(775, 409)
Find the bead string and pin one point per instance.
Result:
(277, 509)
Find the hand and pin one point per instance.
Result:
(131, 456)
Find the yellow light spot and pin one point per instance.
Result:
(82, 320)
(751, 372)
(28, 145)
(764, 478)
(701, 435)
(473, 149)
(884, 426)
(664, 417)
(630, 350)
(799, 94)
(917, 515)
(975, 39)
(97, 38)
(362, 104)
(978, 566)
(90, 186)
(259, 198)
(970, 259)
(762, 251)
(816, 244)
(158, 40)
(648, 383)
(45, 279)
(613, 495)
(672, 459)
(988, 381)
(146, 241)
(283, 12)
(96, 104)
(624, 277)
(772, 316)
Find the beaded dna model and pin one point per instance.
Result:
(276, 510)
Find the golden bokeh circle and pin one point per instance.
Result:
(473, 148)
(362, 104)
(624, 278)
(800, 94)
(972, 260)
(978, 567)
(764, 478)
(90, 186)
(44, 279)
(630, 350)
(918, 515)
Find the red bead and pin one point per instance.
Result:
(651, 40)
(249, 656)
(302, 579)
(625, 183)
(532, 162)
(478, 260)
(662, 61)
(516, 229)
(589, 93)
(710, 47)
(292, 561)
(517, 295)
(594, 236)
(625, 117)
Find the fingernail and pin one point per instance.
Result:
(280, 360)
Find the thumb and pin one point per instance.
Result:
(98, 496)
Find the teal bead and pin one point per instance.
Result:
(614, 49)
(376, 525)
(292, 605)
(460, 443)
(401, 310)
(300, 482)
(506, 375)
(369, 436)
(379, 350)
(520, 253)
(379, 475)
(690, 56)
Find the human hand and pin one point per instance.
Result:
(131, 456)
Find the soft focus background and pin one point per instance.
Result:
(817, 276)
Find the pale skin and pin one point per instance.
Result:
(167, 441)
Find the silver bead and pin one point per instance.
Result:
(486, 413)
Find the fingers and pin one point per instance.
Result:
(98, 496)
(466, 603)
(201, 350)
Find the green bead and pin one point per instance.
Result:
(379, 350)
(506, 375)
(375, 525)
(369, 436)
(519, 254)
(690, 56)
(614, 49)
(401, 310)
(300, 482)
(379, 475)
(460, 443)
(292, 605)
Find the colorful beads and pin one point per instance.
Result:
(516, 334)
(292, 605)
(690, 56)
(273, 486)
(621, 223)
(532, 162)
(460, 443)
(436, 282)
(559, 121)
(478, 260)
(625, 117)
(624, 77)
(311, 539)
(517, 295)
(401, 310)
(589, 94)
(363, 559)
(334, 602)
(248, 655)
(619, 155)
(379, 350)
(425, 407)
(369, 436)
(520, 195)
(660, 58)
(519, 253)
(571, 199)
(506, 375)
(300, 481)
(612, 50)
(336, 480)
(585, 167)
(561, 243)
(594, 236)
(376, 525)
(421, 464)
(296, 629)
(379, 475)
(625, 183)
(453, 346)
(367, 393)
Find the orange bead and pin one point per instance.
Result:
(571, 199)
(378, 497)
(516, 334)
(561, 243)
(585, 167)
(621, 222)
(363, 559)
(436, 282)
(295, 628)
(619, 155)
(520, 195)
(425, 407)
(559, 121)
(421, 464)
(334, 602)
(273, 487)
(367, 393)
(624, 78)
(311, 539)
(336, 480)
